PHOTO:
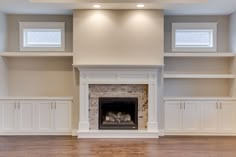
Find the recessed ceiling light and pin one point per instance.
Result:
(97, 6)
(140, 5)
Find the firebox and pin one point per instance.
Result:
(118, 113)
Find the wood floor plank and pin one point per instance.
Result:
(51, 146)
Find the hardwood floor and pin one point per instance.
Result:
(28, 146)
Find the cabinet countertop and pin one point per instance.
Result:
(36, 98)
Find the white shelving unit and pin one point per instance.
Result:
(38, 74)
(199, 75)
(200, 99)
(36, 54)
(223, 54)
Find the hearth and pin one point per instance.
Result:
(118, 113)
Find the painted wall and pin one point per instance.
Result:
(118, 37)
(3, 64)
(13, 28)
(223, 44)
(40, 77)
(233, 32)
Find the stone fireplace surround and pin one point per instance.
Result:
(114, 75)
(138, 91)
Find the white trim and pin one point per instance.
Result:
(199, 98)
(212, 26)
(54, 133)
(74, 132)
(36, 54)
(118, 134)
(182, 133)
(162, 132)
(36, 98)
(118, 75)
(41, 25)
(225, 54)
(206, 76)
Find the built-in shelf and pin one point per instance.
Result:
(216, 76)
(34, 98)
(36, 54)
(227, 54)
(199, 98)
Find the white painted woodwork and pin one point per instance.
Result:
(45, 116)
(35, 117)
(200, 55)
(36, 54)
(25, 115)
(200, 117)
(173, 116)
(207, 76)
(191, 116)
(227, 120)
(210, 116)
(62, 116)
(200, 98)
(9, 117)
(120, 74)
(199, 74)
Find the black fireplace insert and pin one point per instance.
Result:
(118, 113)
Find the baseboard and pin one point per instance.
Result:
(161, 132)
(74, 132)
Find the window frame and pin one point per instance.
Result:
(41, 25)
(196, 26)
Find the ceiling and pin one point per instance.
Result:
(171, 7)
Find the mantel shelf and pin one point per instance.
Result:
(226, 54)
(36, 54)
(207, 76)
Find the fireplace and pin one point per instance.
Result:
(142, 82)
(118, 113)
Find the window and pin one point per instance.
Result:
(194, 36)
(42, 36)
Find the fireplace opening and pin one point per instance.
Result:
(118, 113)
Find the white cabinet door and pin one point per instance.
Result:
(26, 115)
(227, 117)
(173, 116)
(62, 115)
(44, 116)
(9, 115)
(191, 116)
(209, 116)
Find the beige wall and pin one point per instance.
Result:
(118, 37)
(40, 77)
(3, 30)
(233, 32)
(3, 64)
(222, 28)
(13, 28)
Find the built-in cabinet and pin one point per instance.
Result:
(210, 117)
(45, 117)
(199, 94)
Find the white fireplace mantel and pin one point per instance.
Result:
(119, 74)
